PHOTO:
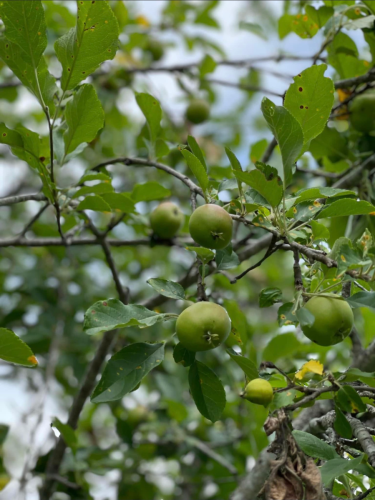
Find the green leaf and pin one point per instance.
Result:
(257, 150)
(281, 346)
(305, 317)
(320, 231)
(93, 41)
(14, 350)
(207, 391)
(126, 369)
(254, 28)
(337, 467)
(347, 206)
(208, 65)
(95, 203)
(236, 165)
(288, 134)
(10, 137)
(4, 429)
(362, 299)
(269, 296)
(350, 258)
(25, 26)
(151, 109)
(226, 259)
(183, 356)
(101, 188)
(349, 400)
(167, 288)
(314, 447)
(197, 168)
(265, 180)
(321, 192)
(112, 313)
(310, 100)
(246, 365)
(285, 316)
(196, 150)
(11, 54)
(149, 191)
(204, 254)
(330, 143)
(84, 116)
(119, 201)
(67, 433)
(341, 424)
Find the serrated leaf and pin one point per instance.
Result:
(112, 313)
(149, 191)
(84, 116)
(67, 433)
(11, 54)
(25, 26)
(167, 288)
(362, 299)
(207, 391)
(314, 447)
(246, 365)
(288, 134)
(341, 424)
(347, 206)
(196, 150)
(95, 203)
(93, 41)
(226, 258)
(350, 258)
(151, 110)
(126, 369)
(197, 168)
(183, 356)
(269, 296)
(268, 186)
(14, 350)
(310, 100)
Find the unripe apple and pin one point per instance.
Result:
(198, 111)
(333, 320)
(203, 326)
(166, 220)
(211, 227)
(258, 391)
(362, 112)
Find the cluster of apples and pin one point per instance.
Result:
(206, 325)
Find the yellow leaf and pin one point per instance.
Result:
(312, 366)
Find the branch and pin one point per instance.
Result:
(268, 152)
(250, 88)
(298, 282)
(354, 82)
(350, 179)
(148, 163)
(11, 200)
(271, 249)
(364, 437)
(58, 242)
(31, 222)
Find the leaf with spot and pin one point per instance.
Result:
(167, 288)
(25, 26)
(288, 134)
(93, 41)
(125, 370)
(320, 192)
(310, 100)
(84, 116)
(112, 313)
(151, 110)
(14, 350)
(11, 54)
(350, 258)
(349, 400)
(207, 391)
(183, 356)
